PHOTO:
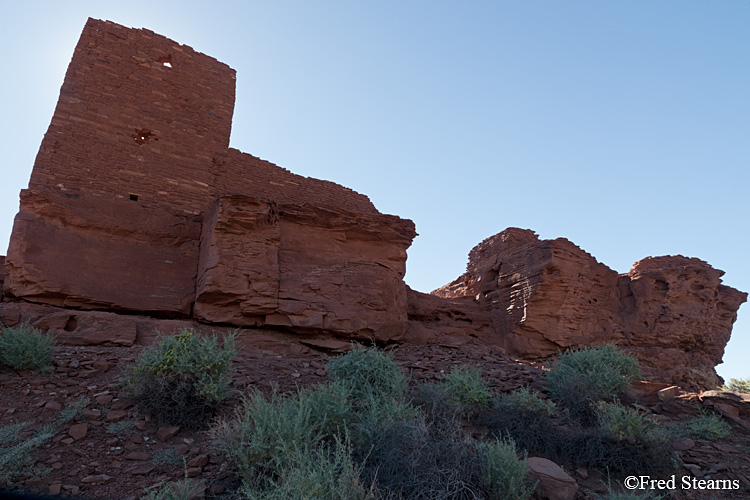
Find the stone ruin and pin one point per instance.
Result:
(139, 216)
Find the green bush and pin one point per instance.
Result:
(625, 422)
(738, 385)
(375, 414)
(438, 408)
(466, 387)
(416, 460)
(264, 433)
(315, 474)
(582, 377)
(26, 348)
(506, 475)
(527, 402)
(15, 452)
(181, 490)
(73, 411)
(709, 427)
(367, 372)
(330, 408)
(182, 379)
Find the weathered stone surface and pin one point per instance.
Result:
(97, 253)
(71, 326)
(302, 267)
(434, 319)
(554, 483)
(542, 296)
(678, 318)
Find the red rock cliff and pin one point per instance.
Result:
(542, 296)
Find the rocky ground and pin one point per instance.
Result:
(111, 452)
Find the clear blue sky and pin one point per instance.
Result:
(622, 126)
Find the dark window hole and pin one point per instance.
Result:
(142, 135)
(134, 197)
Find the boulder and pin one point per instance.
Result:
(554, 483)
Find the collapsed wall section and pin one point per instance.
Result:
(240, 173)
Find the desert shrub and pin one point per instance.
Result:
(624, 422)
(415, 460)
(582, 377)
(375, 414)
(181, 490)
(167, 456)
(530, 403)
(26, 348)
(73, 411)
(330, 408)
(708, 427)
(182, 379)
(525, 417)
(437, 407)
(327, 473)
(465, 386)
(15, 452)
(599, 449)
(738, 385)
(119, 428)
(367, 372)
(506, 475)
(264, 433)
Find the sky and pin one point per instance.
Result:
(621, 126)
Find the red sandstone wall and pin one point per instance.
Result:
(241, 173)
(116, 84)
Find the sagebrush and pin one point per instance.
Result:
(182, 379)
(26, 348)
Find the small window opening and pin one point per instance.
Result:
(166, 61)
(142, 135)
(134, 197)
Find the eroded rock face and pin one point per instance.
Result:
(92, 252)
(450, 321)
(542, 296)
(678, 317)
(303, 267)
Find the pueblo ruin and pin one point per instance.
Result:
(139, 217)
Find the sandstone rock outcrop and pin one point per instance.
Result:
(138, 215)
(543, 296)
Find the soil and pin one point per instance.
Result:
(112, 452)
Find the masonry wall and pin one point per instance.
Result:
(131, 173)
(128, 126)
(241, 173)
